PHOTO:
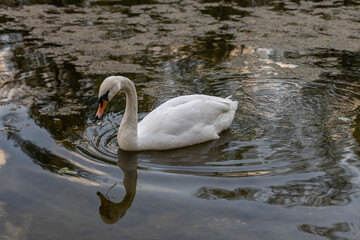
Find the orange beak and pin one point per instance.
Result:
(101, 109)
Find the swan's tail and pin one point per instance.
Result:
(233, 104)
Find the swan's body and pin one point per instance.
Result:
(179, 122)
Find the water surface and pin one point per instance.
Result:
(288, 167)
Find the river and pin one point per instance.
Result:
(288, 167)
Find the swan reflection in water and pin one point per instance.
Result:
(111, 212)
(167, 161)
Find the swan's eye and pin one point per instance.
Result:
(104, 97)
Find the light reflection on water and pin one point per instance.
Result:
(292, 150)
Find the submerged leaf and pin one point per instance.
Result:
(66, 170)
(344, 119)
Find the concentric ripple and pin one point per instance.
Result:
(223, 157)
(283, 127)
(100, 143)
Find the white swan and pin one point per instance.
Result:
(179, 122)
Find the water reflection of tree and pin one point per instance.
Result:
(53, 2)
(325, 147)
(316, 192)
(332, 232)
(46, 159)
(58, 107)
(276, 4)
(206, 50)
(341, 77)
(225, 12)
(51, 90)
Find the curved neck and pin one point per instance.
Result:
(127, 134)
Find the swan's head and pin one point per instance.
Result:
(108, 89)
(110, 212)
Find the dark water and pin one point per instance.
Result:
(288, 168)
